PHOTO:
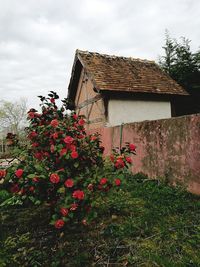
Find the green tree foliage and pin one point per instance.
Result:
(12, 116)
(183, 66)
(181, 63)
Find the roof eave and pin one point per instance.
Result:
(106, 90)
(72, 78)
(73, 84)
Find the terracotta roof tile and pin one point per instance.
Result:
(113, 73)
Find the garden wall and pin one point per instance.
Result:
(168, 148)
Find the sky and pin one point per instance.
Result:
(38, 38)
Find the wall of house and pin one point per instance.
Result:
(168, 148)
(89, 103)
(125, 111)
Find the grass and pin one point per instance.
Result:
(145, 223)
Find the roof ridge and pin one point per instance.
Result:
(114, 56)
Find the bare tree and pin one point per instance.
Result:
(13, 116)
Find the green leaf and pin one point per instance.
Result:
(61, 190)
(14, 200)
(67, 198)
(55, 217)
(37, 202)
(59, 147)
(67, 156)
(18, 202)
(32, 199)
(31, 176)
(71, 215)
(65, 219)
(76, 164)
(38, 167)
(52, 222)
(42, 176)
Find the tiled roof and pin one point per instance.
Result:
(113, 73)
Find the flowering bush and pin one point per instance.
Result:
(63, 166)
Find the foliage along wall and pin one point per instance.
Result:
(167, 148)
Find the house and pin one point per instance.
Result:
(110, 90)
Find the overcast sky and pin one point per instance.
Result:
(38, 38)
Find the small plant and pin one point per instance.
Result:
(63, 167)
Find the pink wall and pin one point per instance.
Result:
(168, 148)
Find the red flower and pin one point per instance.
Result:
(37, 115)
(81, 122)
(112, 158)
(90, 187)
(52, 148)
(31, 115)
(69, 183)
(74, 154)
(119, 163)
(54, 123)
(75, 117)
(84, 222)
(51, 142)
(54, 178)
(52, 100)
(32, 134)
(63, 151)
(68, 140)
(55, 135)
(46, 133)
(35, 144)
(57, 161)
(103, 181)
(59, 224)
(19, 173)
(2, 174)
(35, 179)
(100, 187)
(93, 138)
(72, 147)
(132, 147)
(64, 211)
(14, 188)
(117, 182)
(32, 189)
(78, 194)
(46, 154)
(38, 155)
(74, 206)
(22, 191)
(128, 159)
(106, 189)
(80, 136)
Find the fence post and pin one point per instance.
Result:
(121, 136)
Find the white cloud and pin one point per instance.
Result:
(39, 38)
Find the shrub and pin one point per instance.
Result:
(63, 167)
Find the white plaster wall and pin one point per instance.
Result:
(125, 111)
